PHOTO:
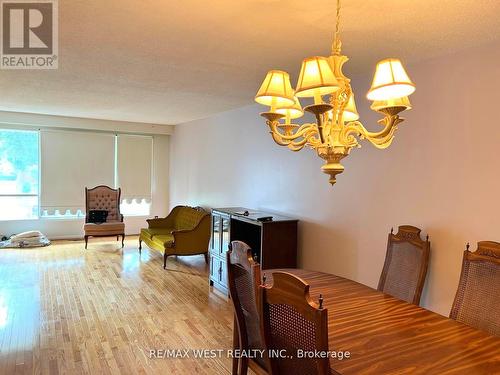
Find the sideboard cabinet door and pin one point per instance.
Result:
(215, 242)
(225, 221)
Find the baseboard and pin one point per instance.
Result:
(80, 237)
(70, 237)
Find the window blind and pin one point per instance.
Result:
(71, 161)
(134, 167)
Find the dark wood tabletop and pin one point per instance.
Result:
(387, 336)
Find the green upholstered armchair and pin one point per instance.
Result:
(185, 231)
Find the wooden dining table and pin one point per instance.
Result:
(384, 335)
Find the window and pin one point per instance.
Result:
(19, 174)
(71, 161)
(134, 157)
(64, 163)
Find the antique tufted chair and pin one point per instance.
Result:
(104, 198)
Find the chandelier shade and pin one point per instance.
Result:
(390, 81)
(316, 78)
(402, 103)
(350, 111)
(294, 111)
(276, 90)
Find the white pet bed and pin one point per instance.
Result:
(26, 239)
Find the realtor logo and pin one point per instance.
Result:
(29, 34)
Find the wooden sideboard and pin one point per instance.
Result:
(274, 242)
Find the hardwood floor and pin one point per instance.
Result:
(66, 310)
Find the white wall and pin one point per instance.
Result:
(73, 228)
(440, 174)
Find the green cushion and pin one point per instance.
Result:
(164, 240)
(150, 232)
(188, 218)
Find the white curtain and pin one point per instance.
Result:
(71, 161)
(134, 167)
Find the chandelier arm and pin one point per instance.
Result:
(310, 138)
(308, 135)
(292, 145)
(307, 131)
(278, 140)
(297, 146)
(386, 141)
(381, 139)
(301, 131)
(276, 134)
(383, 142)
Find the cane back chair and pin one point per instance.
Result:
(477, 301)
(291, 321)
(405, 265)
(244, 280)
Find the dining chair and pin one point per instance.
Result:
(291, 321)
(243, 281)
(477, 301)
(405, 266)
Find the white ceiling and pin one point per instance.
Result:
(167, 62)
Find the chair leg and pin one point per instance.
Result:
(243, 365)
(86, 241)
(236, 342)
(164, 260)
(140, 245)
(206, 257)
(236, 345)
(123, 240)
(117, 238)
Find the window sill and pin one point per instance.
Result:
(20, 219)
(83, 217)
(61, 218)
(68, 218)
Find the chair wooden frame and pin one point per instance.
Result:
(240, 254)
(291, 290)
(119, 190)
(409, 234)
(487, 251)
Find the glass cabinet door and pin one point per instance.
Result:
(225, 235)
(216, 233)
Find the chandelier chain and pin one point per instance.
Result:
(336, 46)
(337, 27)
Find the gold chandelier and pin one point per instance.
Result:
(337, 129)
